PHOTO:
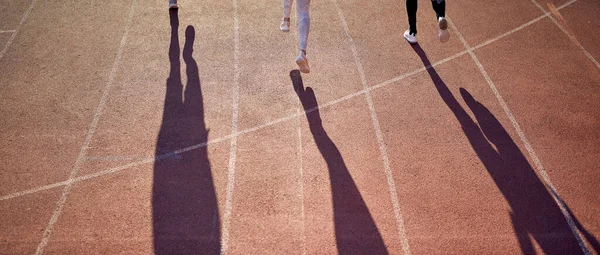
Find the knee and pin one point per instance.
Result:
(303, 16)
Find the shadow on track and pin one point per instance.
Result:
(355, 230)
(534, 213)
(184, 205)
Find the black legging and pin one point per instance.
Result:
(411, 9)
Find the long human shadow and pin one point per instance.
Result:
(184, 205)
(534, 213)
(355, 229)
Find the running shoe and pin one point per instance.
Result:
(285, 25)
(302, 62)
(443, 33)
(411, 38)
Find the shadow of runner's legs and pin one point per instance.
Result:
(355, 229)
(534, 208)
(533, 211)
(184, 205)
(595, 245)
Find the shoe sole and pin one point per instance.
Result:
(303, 66)
(444, 36)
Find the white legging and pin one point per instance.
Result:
(302, 7)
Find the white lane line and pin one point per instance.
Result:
(301, 112)
(110, 158)
(34, 190)
(7, 31)
(83, 151)
(292, 116)
(379, 135)
(415, 72)
(567, 33)
(520, 27)
(538, 164)
(16, 31)
(567, 4)
(234, 134)
(589, 56)
(489, 237)
(510, 32)
(301, 182)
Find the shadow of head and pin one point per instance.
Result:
(190, 33)
(467, 97)
(489, 124)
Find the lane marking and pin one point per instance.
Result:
(234, 134)
(16, 31)
(300, 111)
(565, 28)
(559, 18)
(378, 134)
(301, 182)
(538, 164)
(7, 31)
(417, 71)
(531, 22)
(34, 190)
(492, 237)
(282, 119)
(562, 25)
(83, 151)
(109, 158)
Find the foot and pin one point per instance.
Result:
(443, 33)
(285, 25)
(302, 62)
(173, 4)
(411, 38)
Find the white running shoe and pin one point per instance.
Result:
(411, 38)
(302, 62)
(285, 25)
(443, 33)
(173, 4)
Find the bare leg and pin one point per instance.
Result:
(287, 8)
